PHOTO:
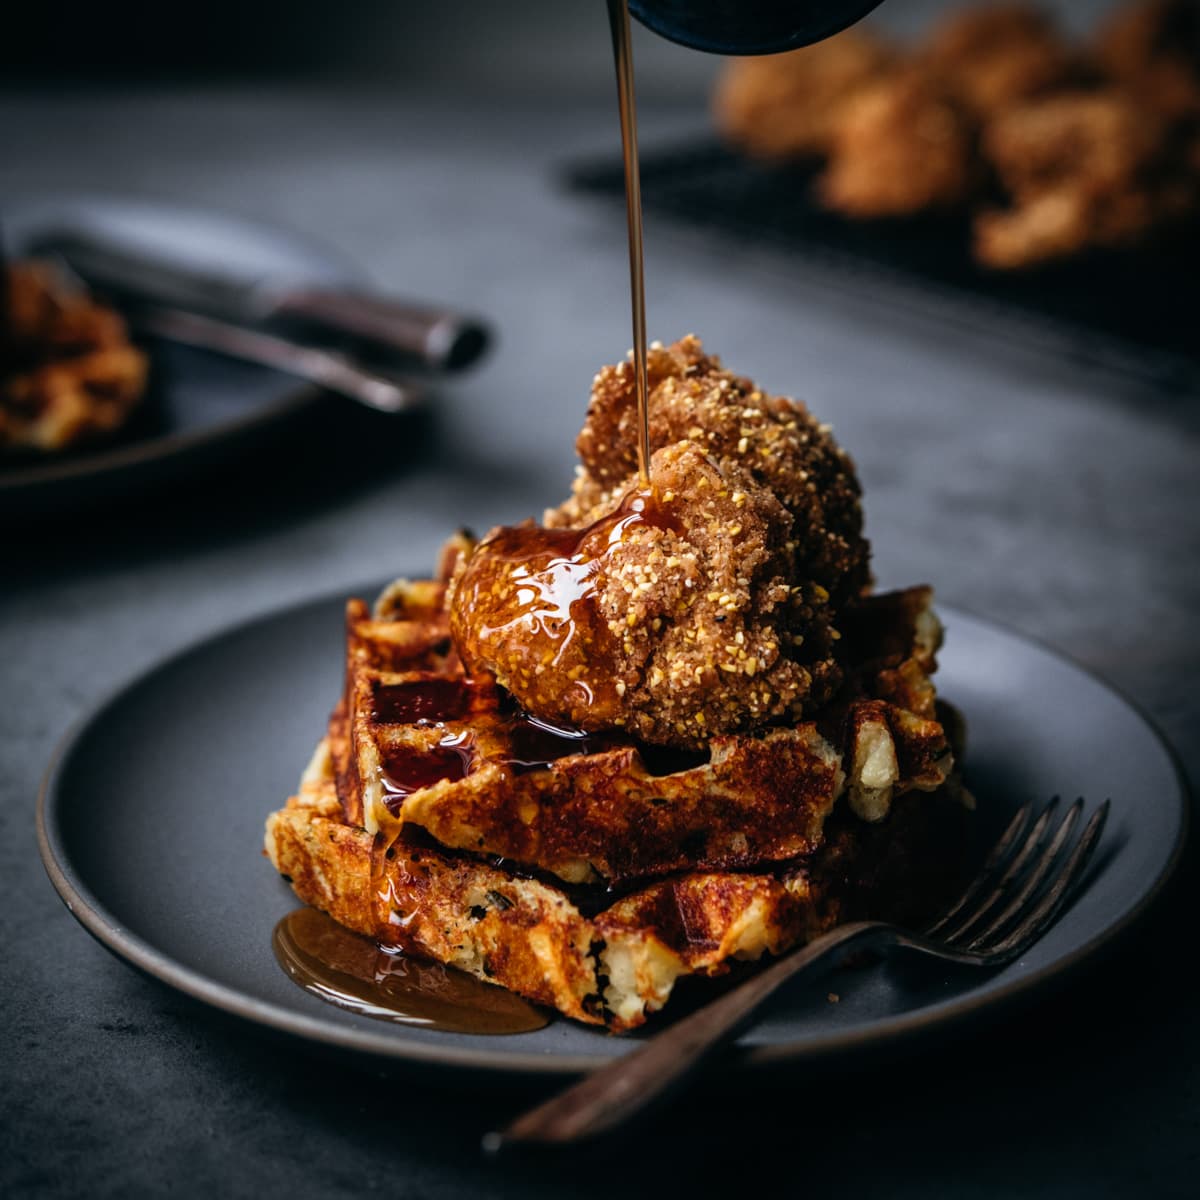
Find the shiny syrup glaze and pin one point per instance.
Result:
(420, 700)
(548, 580)
(352, 972)
(406, 769)
(533, 744)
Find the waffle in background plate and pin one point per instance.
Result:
(591, 872)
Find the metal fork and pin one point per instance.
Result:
(1015, 897)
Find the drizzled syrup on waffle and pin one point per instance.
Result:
(534, 744)
(419, 700)
(408, 769)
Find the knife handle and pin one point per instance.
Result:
(439, 339)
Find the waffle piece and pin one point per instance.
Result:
(591, 872)
(520, 932)
(621, 964)
(67, 370)
(417, 742)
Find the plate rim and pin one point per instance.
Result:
(161, 448)
(91, 913)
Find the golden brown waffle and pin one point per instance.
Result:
(67, 369)
(520, 932)
(620, 964)
(590, 873)
(425, 745)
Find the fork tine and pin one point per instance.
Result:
(1003, 877)
(1033, 880)
(1043, 914)
(998, 853)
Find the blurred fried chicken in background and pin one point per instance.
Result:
(68, 372)
(1152, 49)
(997, 55)
(1081, 169)
(1053, 148)
(788, 105)
(903, 145)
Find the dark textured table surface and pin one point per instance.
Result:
(1059, 501)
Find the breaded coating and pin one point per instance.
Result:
(1083, 170)
(1152, 48)
(705, 605)
(786, 105)
(773, 438)
(67, 369)
(902, 146)
(998, 54)
(675, 621)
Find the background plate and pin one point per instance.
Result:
(201, 409)
(150, 825)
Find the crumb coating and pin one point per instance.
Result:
(774, 439)
(713, 612)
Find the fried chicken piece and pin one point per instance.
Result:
(705, 605)
(67, 369)
(786, 105)
(1152, 48)
(901, 146)
(783, 447)
(1086, 169)
(674, 621)
(996, 55)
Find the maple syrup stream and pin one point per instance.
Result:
(618, 18)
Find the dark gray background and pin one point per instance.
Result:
(425, 142)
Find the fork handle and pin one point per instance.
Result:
(613, 1093)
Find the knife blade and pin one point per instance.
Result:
(360, 323)
(323, 367)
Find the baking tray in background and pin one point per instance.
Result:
(1137, 314)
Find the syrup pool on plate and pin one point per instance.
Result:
(354, 973)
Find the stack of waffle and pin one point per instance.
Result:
(590, 872)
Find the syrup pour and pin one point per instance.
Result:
(352, 972)
(618, 19)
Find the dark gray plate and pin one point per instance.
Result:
(150, 825)
(201, 409)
